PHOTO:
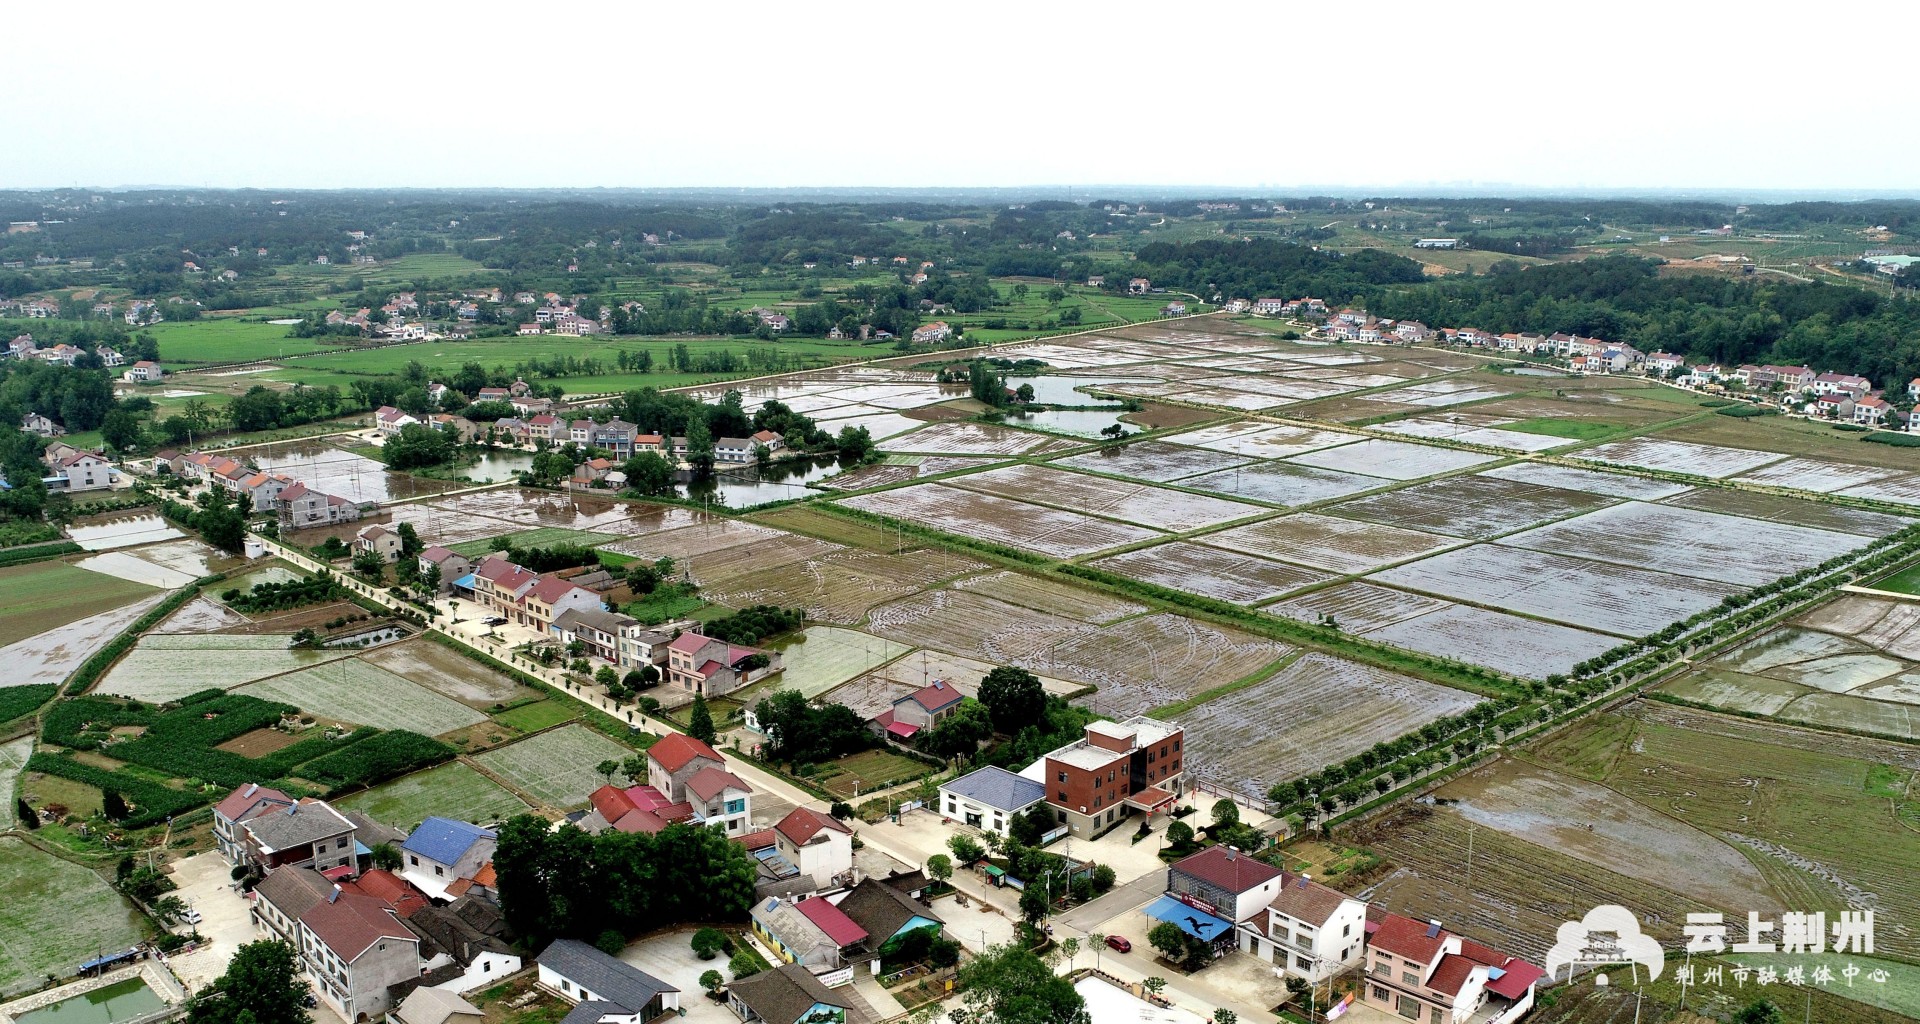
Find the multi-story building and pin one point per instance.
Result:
(246, 802)
(1116, 769)
(701, 665)
(300, 507)
(527, 598)
(1428, 975)
(442, 850)
(676, 758)
(452, 565)
(267, 829)
(820, 845)
(599, 631)
(379, 541)
(355, 947)
(1309, 930)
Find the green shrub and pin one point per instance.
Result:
(1715, 403)
(1897, 440)
(16, 701)
(1852, 428)
(1743, 412)
(38, 553)
(377, 759)
(151, 802)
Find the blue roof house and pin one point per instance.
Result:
(990, 797)
(442, 850)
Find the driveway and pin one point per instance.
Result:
(1120, 900)
(668, 956)
(206, 885)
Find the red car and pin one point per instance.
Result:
(1119, 944)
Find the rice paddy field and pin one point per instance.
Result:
(453, 790)
(1317, 710)
(1213, 572)
(1325, 542)
(820, 658)
(163, 667)
(997, 520)
(53, 654)
(1164, 509)
(1714, 461)
(1706, 545)
(554, 768)
(1471, 507)
(1521, 647)
(447, 672)
(43, 595)
(38, 891)
(352, 690)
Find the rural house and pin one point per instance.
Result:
(275, 833)
(819, 845)
(378, 540)
(1116, 769)
(921, 710)
(146, 371)
(1309, 930)
(810, 932)
(301, 507)
(1424, 973)
(452, 566)
(788, 994)
(603, 989)
(443, 849)
(698, 664)
(988, 798)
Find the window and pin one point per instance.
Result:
(1348, 930)
(438, 871)
(1409, 1008)
(1410, 978)
(1379, 993)
(1063, 776)
(413, 860)
(342, 844)
(1063, 796)
(1176, 746)
(1435, 1017)
(1302, 963)
(1096, 800)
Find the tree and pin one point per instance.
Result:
(707, 942)
(649, 474)
(854, 445)
(113, 805)
(1179, 835)
(608, 769)
(1225, 1016)
(1009, 985)
(384, 856)
(961, 733)
(762, 457)
(417, 445)
(606, 676)
(1154, 985)
(1029, 826)
(1760, 1012)
(120, 430)
(1024, 393)
(1168, 939)
(965, 849)
(634, 768)
(410, 546)
(1226, 812)
(1014, 697)
(939, 866)
(743, 965)
(261, 986)
(30, 819)
(699, 446)
(1033, 902)
(369, 564)
(700, 721)
(1103, 878)
(711, 980)
(610, 942)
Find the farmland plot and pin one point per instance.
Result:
(880, 425)
(51, 656)
(1706, 545)
(447, 672)
(1050, 597)
(1471, 432)
(1394, 460)
(13, 757)
(1706, 460)
(976, 439)
(531, 509)
(556, 767)
(1212, 572)
(1817, 475)
(1802, 675)
(55, 915)
(1475, 507)
(823, 657)
(451, 790)
(1097, 495)
(1891, 626)
(1899, 490)
(355, 691)
(706, 538)
(129, 566)
(163, 667)
(744, 563)
(998, 520)
(1318, 710)
(1794, 511)
(1283, 483)
(1143, 663)
(842, 585)
(1263, 441)
(923, 667)
(1612, 485)
(1152, 461)
(1520, 647)
(1222, 398)
(1357, 607)
(1328, 542)
(1610, 598)
(974, 625)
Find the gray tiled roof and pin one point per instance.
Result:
(998, 787)
(784, 993)
(283, 828)
(602, 975)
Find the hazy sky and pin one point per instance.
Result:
(663, 93)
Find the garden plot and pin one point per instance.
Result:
(1050, 597)
(1613, 599)
(1328, 542)
(355, 691)
(1475, 507)
(823, 657)
(447, 671)
(1706, 460)
(1506, 643)
(1799, 674)
(1357, 607)
(1262, 440)
(1898, 490)
(1847, 711)
(163, 667)
(841, 586)
(996, 520)
(1707, 545)
(538, 537)
(1394, 460)
(1471, 432)
(1795, 511)
(1319, 710)
(452, 790)
(51, 656)
(1097, 495)
(1212, 572)
(1283, 483)
(1152, 461)
(977, 439)
(1817, 475)
(1613, 485)
(54, 915)
(555, 767)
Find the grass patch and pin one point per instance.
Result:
(543, 537)
(55, 915)
(1906, 581)
(452, 790)
(541, 714)
(1743, 412)
(664, 604)
(1893, 439)
(36, 598)
(1554, 426)
(867, 771)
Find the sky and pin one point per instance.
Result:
(668, 93)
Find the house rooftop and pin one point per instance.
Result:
(802, 823)
(1230, 870)
(999, 788)
(785, 993)
(626, 986)
(445, 840)
(675, 750)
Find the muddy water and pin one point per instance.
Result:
(53, 655)
(108, 532)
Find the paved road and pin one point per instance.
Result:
(1123, 898)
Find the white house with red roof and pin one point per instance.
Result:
(676, 758)
(300, 507)
(1309, 930)
(722, 798)
(820, 845)
(389, 420)
(525, 597)
(1424, 973)
(146, 371)
(920, 711)
(641, 808)
(698, 664)
(84, 471)
(355, 948)
(1871, 410)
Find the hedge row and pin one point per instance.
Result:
(38, 553)
(1888, 437)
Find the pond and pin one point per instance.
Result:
(121, 531)
(498, 466)
(1078, 422)
(783, 481)
(337, 471)
(122, 1000)
(1056, 389)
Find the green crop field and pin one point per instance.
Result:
(1579, 430)
(222, 340)
(1899, 991)
(35, 598)
(543, 537)
(555, 768)
(868, 770)
(452, 790)
(55, 915)
(355, 691)
(1906, 581)
(538, 715)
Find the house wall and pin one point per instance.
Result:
(485, 969)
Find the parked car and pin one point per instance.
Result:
(192, 916)
(1119, 944)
